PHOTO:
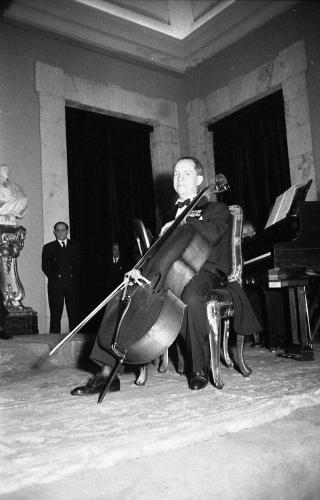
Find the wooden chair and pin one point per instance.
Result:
(220, 309)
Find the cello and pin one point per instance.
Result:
(143, 318)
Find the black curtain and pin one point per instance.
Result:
(250, 149)
(110, 183)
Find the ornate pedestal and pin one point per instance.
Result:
(21, 320)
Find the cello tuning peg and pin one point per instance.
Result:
(221, 183)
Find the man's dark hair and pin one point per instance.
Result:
(61, 222)
(197, 163)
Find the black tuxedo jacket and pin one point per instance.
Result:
(61, 264)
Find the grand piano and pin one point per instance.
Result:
(279, 264)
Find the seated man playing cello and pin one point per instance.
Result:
(213, 221)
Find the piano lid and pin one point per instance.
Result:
(292, 242)
(261, 245)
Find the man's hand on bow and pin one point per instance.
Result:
(136, 277)
(166, 227)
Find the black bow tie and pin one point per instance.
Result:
(184, 203)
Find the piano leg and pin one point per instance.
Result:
(314, 309)
(293, 316)
(276, 319)
(270, 307)
(300, 347)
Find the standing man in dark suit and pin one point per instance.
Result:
(117, 268)
(214, 222)
(61, 265)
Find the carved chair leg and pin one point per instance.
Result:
(163, 362)
(244, 368)
(181, 364)
(225, 344)
(143, 375)
(214, 344)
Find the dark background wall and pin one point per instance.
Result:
(19, 105)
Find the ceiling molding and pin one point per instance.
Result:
(173, 34)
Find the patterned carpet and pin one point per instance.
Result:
(47, 434)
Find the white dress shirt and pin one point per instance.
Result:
(180, 210)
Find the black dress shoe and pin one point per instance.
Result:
(199, 380)
(95, 385)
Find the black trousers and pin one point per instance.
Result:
(194, 328)
(59, 293)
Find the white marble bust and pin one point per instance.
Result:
(13, 201)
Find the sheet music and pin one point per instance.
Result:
(283, 204)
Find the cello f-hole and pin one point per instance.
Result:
(157, 280)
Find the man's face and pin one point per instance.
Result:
(61, 232)
(115, 250)
(248, 230)
(185, 179)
